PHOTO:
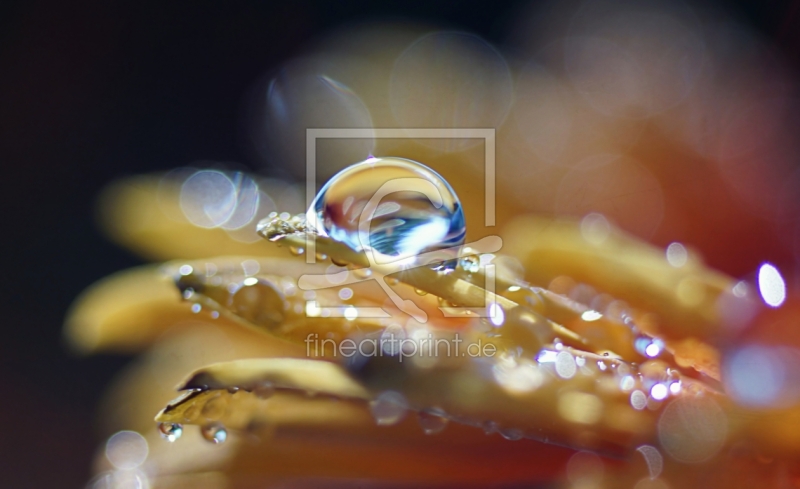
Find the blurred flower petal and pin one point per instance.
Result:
(612, 261)
(144, 214)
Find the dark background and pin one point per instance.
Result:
(92, 92)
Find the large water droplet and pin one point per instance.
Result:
(214, 433)
(170, 431)
(395, 207)
(388, 408)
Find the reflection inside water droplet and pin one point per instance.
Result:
(470, 264)
(170, 431)
(214, 433)
(395, 207)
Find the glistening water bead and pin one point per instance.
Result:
(170, 431)
(395, 207)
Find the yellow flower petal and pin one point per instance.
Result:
(124, 311)
(305, 375)
(143, 214)
(628, 269)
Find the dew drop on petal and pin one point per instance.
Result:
(489, 427)
(354, 208)
(214, 433)
(470, 264)
(511, 434)
(432, 423)
(258, 301)
(388, 408)
(170, 431)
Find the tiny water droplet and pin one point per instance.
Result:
(322, 256)
(388, 408)
(470, 264)
(432, 423)
(420, 292)
(170, 431)
(258, 301)
(511, 434)
(296, 250)
(395, 207)
(392, 281)
(214, 433)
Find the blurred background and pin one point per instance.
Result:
(699, 98)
